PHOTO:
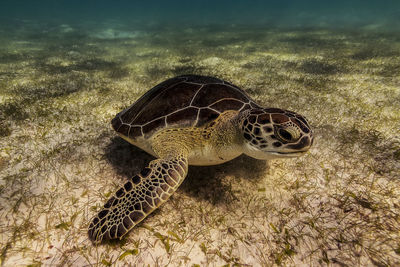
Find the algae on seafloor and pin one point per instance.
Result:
(59, 159)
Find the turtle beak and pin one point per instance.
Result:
(291, 154)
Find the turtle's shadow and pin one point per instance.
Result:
(204, 182)
(126, 159)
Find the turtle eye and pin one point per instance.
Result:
(285, 134)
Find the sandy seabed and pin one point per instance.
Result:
(60, 85)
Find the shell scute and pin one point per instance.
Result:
(134, 132)
(124, 129)
(183, 101)
(133, 110)
(116, 123)
(185, 117)
(168, 101)
(227, 104)
(211, 93)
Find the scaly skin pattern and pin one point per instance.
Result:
(147, 190)
(141, 195)
(215, 143)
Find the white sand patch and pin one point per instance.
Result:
(65, 28)
(112, 33)
(211, 61)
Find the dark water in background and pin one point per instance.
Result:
(286, 13)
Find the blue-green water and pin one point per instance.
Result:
(354, 13)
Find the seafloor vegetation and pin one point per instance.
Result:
(61, 85)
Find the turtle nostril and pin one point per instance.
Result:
(285, 134)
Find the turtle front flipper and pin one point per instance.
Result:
(141, 195)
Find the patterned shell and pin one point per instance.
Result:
(183, 101)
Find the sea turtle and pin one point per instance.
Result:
(192, 120)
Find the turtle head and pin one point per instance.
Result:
(271, 133)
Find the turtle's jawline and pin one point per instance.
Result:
(294, 153)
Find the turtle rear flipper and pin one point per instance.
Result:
(141, 195)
